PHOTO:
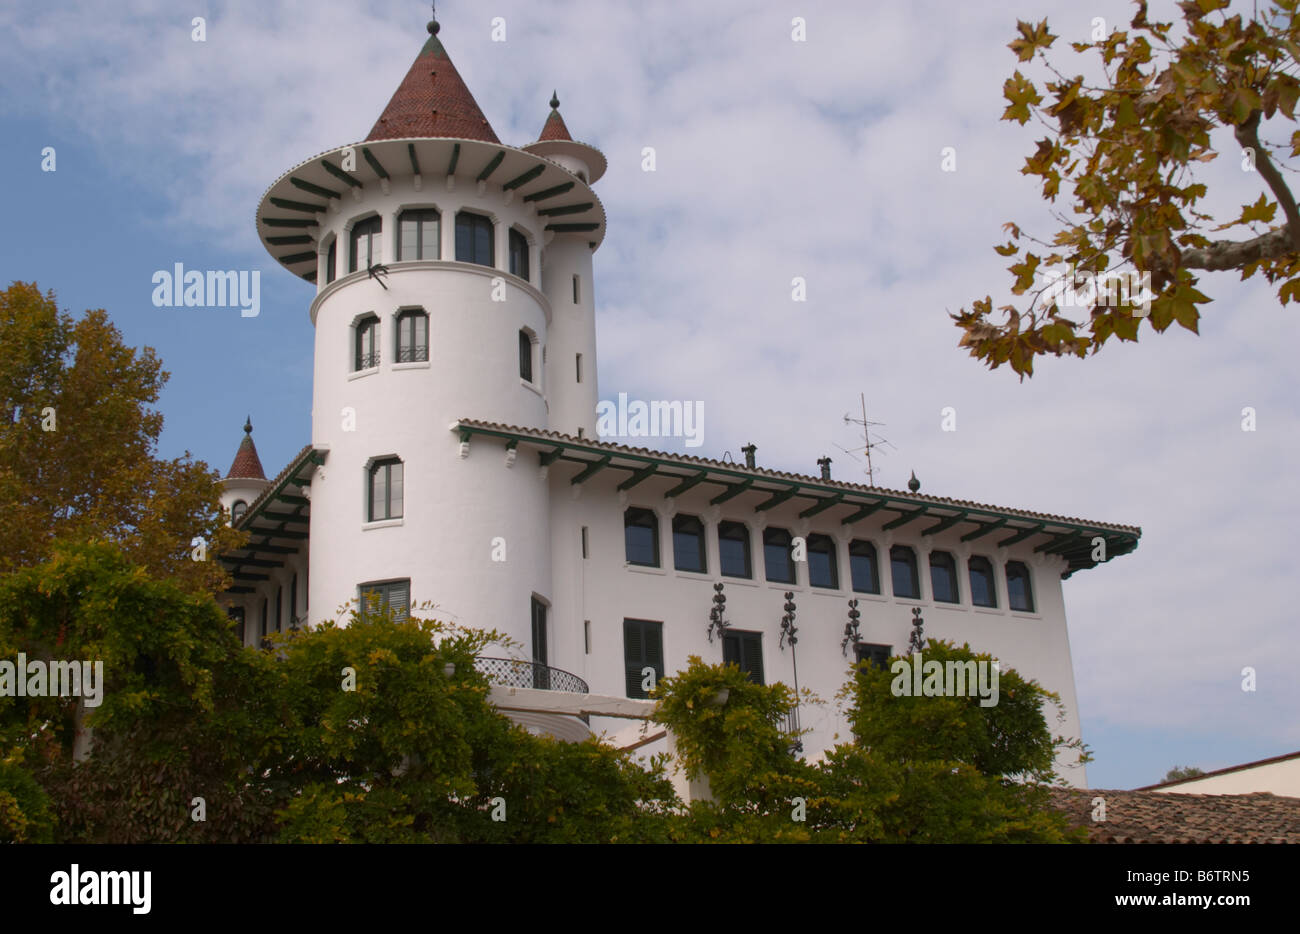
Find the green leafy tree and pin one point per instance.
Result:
(181, 712)
(78, 441)
(1180, 772)
(1128, 154)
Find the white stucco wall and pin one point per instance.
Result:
(1279, 778)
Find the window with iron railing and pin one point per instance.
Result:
(412, 337)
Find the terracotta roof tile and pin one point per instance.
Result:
(554, 128)
(432, 101)
(1157, 817)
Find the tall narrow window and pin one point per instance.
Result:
(576, 280)
(474, 239)
(733, 549)
(385, 490)
(364, 249)
(293, 602)
(643, 647)
(237, 510)
(1020, 593)
(525, 356)
(744, 649)
(641, 536)
(584, 541)
(863, 568)
(417, 235)
(331, 260)
(688, 544)
(578, 366)
(902, 564)
(586, 637)
(412, 336)
(823, 564)
(279, 609)
(541, 674)
(367, 343)
(518, 255)
(391, 595)
(776, 556)
(982, 590)
(943, 577)
(266, 603)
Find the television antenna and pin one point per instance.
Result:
(868, 443)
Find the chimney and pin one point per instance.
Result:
(825, 464)
(749, 450)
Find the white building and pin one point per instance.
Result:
(1279, 775)
(454, 456)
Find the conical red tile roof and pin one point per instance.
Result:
(246, 465)
(554, 127)
(432, 101)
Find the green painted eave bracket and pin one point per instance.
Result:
(644, 473)
(373, 162)
(984, 529)
(734, 489)
(289, 205)
(288, 222)
(548, 458)
(944, 524)
(524, 178)
(1066, 539)
(1021, 535)
(455, 158)
(292, 258)
(863, 512)
(313, 188)
(549, 192)
(687, 483)
(777, 499)
(566, 209)
(592, 469)
(340, 174)
(904, 519)
(572, 228)
(491, 167)
(822, 506)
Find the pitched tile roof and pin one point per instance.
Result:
(1155, 817)
(246, 465)
(1225, 771)
(432, 101)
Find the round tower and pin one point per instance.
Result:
(245, 480)
(445, 265)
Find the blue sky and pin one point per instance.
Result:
(775, 159)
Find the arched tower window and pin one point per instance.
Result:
(518, 255)
(237, 510)
(385, 490)
(366, 347)
(417, 235)
(1020, 593)
(331, 261)
(412, 336)
(364, 251)
(902, 565)
(474, 239)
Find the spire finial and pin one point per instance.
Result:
(914, 484)
(555, 101)
(433, 26)
(248, 424)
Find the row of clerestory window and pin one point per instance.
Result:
(641, 538)
(419, 237)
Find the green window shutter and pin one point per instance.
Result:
(643, 647)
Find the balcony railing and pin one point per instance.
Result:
(515, 673)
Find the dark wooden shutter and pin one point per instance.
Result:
(643, 647)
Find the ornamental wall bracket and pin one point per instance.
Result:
(717, 614)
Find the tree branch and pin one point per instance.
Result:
(1233, 254)
(1248, 136)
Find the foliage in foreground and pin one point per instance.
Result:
(381, 731)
